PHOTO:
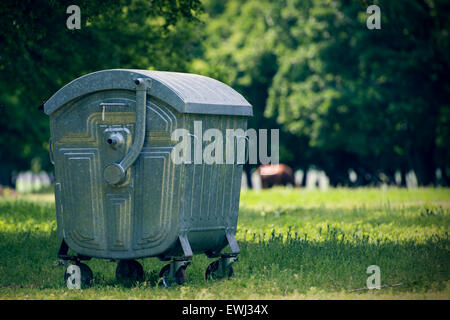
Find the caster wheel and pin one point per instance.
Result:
(71, 278)
(180, 276)
(129, 272)
(213, 273)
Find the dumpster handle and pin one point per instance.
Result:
(115, 173)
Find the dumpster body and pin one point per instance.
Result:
(118, 193)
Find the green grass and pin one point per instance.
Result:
(295, 244)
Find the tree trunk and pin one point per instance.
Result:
(424, 168)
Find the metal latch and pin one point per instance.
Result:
(115, 173)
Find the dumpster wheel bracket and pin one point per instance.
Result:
(174, 273)
(185, 245)
(232, 243)
(66, 259)
(221, 269)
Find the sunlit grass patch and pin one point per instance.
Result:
(295, 244)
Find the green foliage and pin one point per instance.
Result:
(342, 95)
(38, 55)
(371, 100)
(375, 94)
(239, 40)
(295, 244)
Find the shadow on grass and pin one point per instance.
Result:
(280, 262)
(27, 260)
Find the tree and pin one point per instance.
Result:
(371, 99)
(39, 54)
(343, 95)
(239, 48)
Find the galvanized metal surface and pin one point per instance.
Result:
(160, 209)
(186, 93)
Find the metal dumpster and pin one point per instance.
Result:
(119, 196)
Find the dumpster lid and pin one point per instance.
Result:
(186, 92)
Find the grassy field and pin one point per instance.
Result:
(295, 244)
